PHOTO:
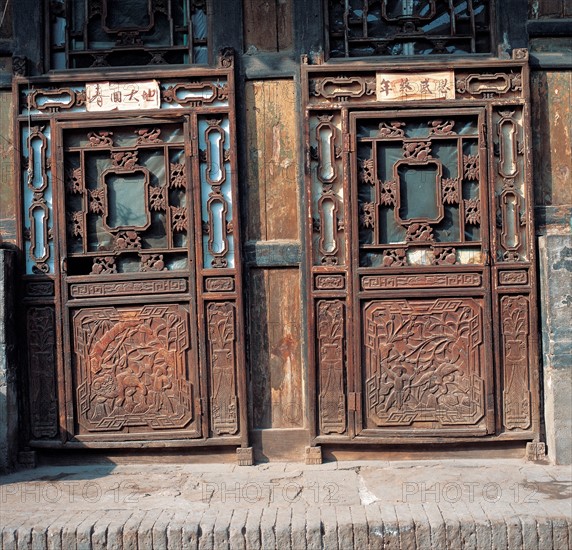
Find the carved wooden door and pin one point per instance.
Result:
(420, 252)
(131, 341)
(419, 184)
(133, 274)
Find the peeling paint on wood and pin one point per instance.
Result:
(552, 142)
(274, 349)
(272, 202)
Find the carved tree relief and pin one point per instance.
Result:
(224, 405)
(515, 331)
(331, 361)
(423, 362)
(131, 365)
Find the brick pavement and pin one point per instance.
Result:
(396, 505)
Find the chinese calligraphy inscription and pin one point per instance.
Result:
(122, 96)
(421, 86)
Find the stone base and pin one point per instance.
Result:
(535, 451)
(313, 455)
(558, 414)
(555, 305)
(244, 456)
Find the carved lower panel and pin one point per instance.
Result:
(331, 353)
(42, 368)
(515, 353)
(131, 366)
(423, 363)
(222, 357)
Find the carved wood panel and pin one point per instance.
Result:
(421, 188)
(41, 331)
(331, 355)
(144, 281)
(424, 363)
(102, 33)
(422, 27)
(133, 371)
(420, 237)
(222, 354)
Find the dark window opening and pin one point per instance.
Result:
(101, 33)
(359, 28)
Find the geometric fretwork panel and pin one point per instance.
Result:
(132, 368)
(101, 33)
(420, 185)
(126, 199)
(423, 362)
(408, 27)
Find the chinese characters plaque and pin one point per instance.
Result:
(123, 96)
(423, 86)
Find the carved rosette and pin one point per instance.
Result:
(516, 378)
(103, 265)
(331, 353)
(423, 362)
(41, 331)
(131, 369)
(222, 359)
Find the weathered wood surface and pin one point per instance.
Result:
(7, 188)
(276, 385)
(267, 25)
(552, 111)
(272, 201)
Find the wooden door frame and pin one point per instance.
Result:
(41, 288)
(337, 88)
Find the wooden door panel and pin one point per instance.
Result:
(132, 236)
(421, 192)
(420, 256)
(133, 371)
(423, 363)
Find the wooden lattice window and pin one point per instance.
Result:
(409, 27)
(101, 33)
